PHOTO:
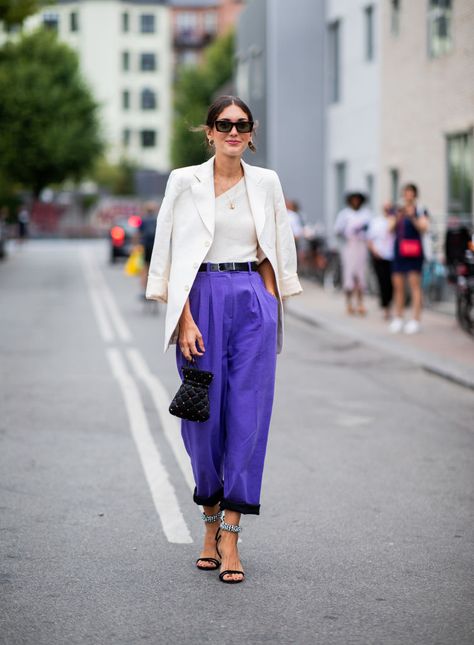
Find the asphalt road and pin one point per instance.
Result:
(366, 530)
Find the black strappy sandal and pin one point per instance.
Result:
(209, 519)
(232, 528)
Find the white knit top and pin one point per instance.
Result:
(235, 237)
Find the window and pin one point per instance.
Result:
(395, 7)
(51, 21)
(188, 57)
(369, 32)
(439, 28)
(125, 61)
(210, 22)
(148, 99)
(369, 186)
(257, 76)
(147, 23)
(148, 62)
(148, 138)
(243, 77)
(340, 176)
(186, 21)
(74, 21)
(126, 100)
(126, 136)
(125, 22)
(334, 62)
(394, 185)
(460, 172)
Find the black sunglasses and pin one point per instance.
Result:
(242, 127)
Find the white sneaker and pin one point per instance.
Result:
(412, 327)
(396, 326)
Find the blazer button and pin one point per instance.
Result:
(186, 288)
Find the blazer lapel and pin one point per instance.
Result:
(257, 195)
(203, 193)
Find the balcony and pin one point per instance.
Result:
(188, 38)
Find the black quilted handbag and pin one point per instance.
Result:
(191, 401)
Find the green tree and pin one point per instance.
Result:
(194, 91)
(14, 12)
(49, 129)
(117, 178)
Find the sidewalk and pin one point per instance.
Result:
(441, 347)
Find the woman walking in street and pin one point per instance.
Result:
(351, 226)
(380, 242)
(223, 259)
(409, 224)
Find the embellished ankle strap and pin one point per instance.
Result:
(212, 518)
(233, 528)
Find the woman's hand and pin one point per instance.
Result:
(189, 338)
(266, 271)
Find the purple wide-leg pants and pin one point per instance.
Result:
(237, 318)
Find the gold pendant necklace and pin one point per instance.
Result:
(231, 202)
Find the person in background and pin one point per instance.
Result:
(380, 240)
(409, 223)
(351, 227)
(298, 227)
(23, 224)
(146, 238)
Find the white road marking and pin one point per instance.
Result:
(95, 293)
(170, 424)
(162, 491)
(118, 321)
(352, 420)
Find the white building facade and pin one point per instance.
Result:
(125, 54)
(353, 103)
(427, 129)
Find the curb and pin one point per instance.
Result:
(455, 373)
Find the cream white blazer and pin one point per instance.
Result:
(185, 230)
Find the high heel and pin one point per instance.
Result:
(209, 519)
(232, 528)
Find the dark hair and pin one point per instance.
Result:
(412, 187)
(221, 103)
(355, 195)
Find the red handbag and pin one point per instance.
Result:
(410, 248)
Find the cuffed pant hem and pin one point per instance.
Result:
(208, 501)
(240, 507)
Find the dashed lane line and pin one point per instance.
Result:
(162, 491)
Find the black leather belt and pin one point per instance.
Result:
(229, 266)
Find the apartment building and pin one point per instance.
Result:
(196, 23)
(427, 119)
(124, 49)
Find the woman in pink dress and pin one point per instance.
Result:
(351, 226)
